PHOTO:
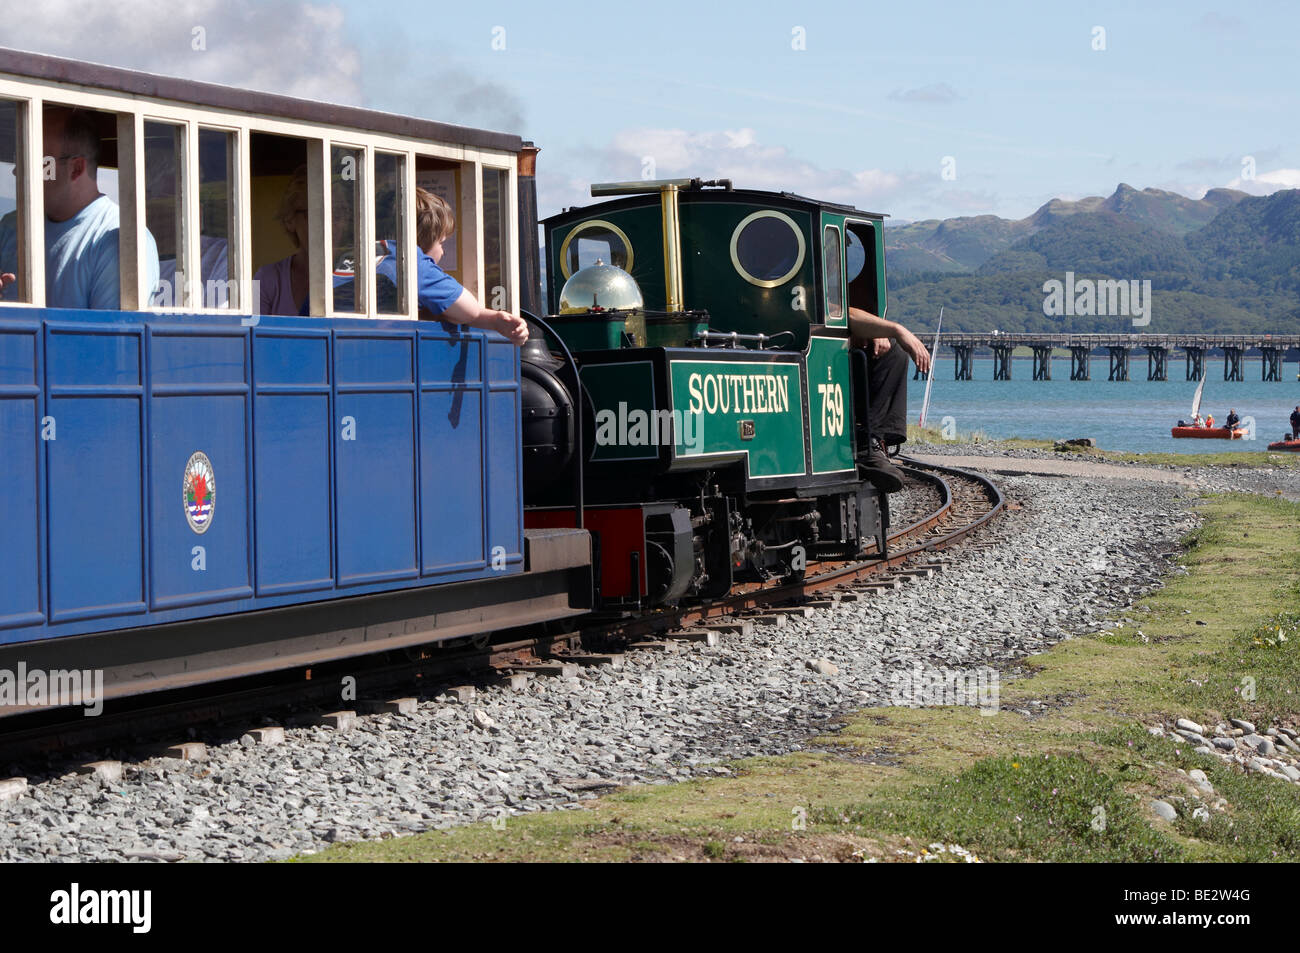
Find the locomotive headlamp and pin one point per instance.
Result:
(600, 287)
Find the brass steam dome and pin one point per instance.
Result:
(600, 287)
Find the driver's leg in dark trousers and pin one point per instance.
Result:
(886, 418)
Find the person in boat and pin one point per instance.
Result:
(1209, 422)
(1232, 421)
(1198, 421)
(887, 390)
(1295, 424)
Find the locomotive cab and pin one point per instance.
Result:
(757, 262)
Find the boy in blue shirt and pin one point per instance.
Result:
(439, 294)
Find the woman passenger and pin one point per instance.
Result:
(286, 284)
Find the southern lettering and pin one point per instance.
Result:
(739, 393)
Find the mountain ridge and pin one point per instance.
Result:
(1228, 262)
(966, 242)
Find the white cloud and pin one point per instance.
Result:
(296, 48)
(280, 46)
(565, 174)
(737, 154)
(1266, 183)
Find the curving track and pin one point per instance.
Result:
(967, 502)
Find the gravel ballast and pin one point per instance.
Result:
(1070, 556)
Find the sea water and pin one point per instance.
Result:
(1120, 415)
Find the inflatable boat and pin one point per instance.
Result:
(1210, 433)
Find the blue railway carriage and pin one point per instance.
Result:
(191, 489)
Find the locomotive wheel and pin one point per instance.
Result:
(659, 564)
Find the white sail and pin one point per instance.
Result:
(929, 378)
(1196, 401)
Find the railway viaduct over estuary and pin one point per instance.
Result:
(1271, 348)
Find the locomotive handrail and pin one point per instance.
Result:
(734, 338)
(577, 415)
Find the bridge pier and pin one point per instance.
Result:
(1042, 363)
(1118, 363)
(961, 362)
(1002, 362)
(920, 375)
(1232, 363)
(1195, 363)
(1157, 364)
(1270, 365)
(1080, 364)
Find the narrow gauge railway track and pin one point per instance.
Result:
(967, 502)
(139, 724)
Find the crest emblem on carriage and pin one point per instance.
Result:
(199, 492)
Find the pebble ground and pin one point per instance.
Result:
(1074, 552)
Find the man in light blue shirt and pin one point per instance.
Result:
(82, 225)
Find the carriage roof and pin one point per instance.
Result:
(95, 76)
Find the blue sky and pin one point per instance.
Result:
(1017, 96)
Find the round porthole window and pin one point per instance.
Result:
(594, 240)
(767, 248)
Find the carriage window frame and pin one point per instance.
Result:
(194, 298)
(363, 291)
(403, 240)
(505, 222)
(29, 203)
(235, 254)
(34, 94)
(181, 295)
(589, 225)
(799, 258)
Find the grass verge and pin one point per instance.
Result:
(1225, 458)
(1064, 771)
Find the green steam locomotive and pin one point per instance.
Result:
(693, 398)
